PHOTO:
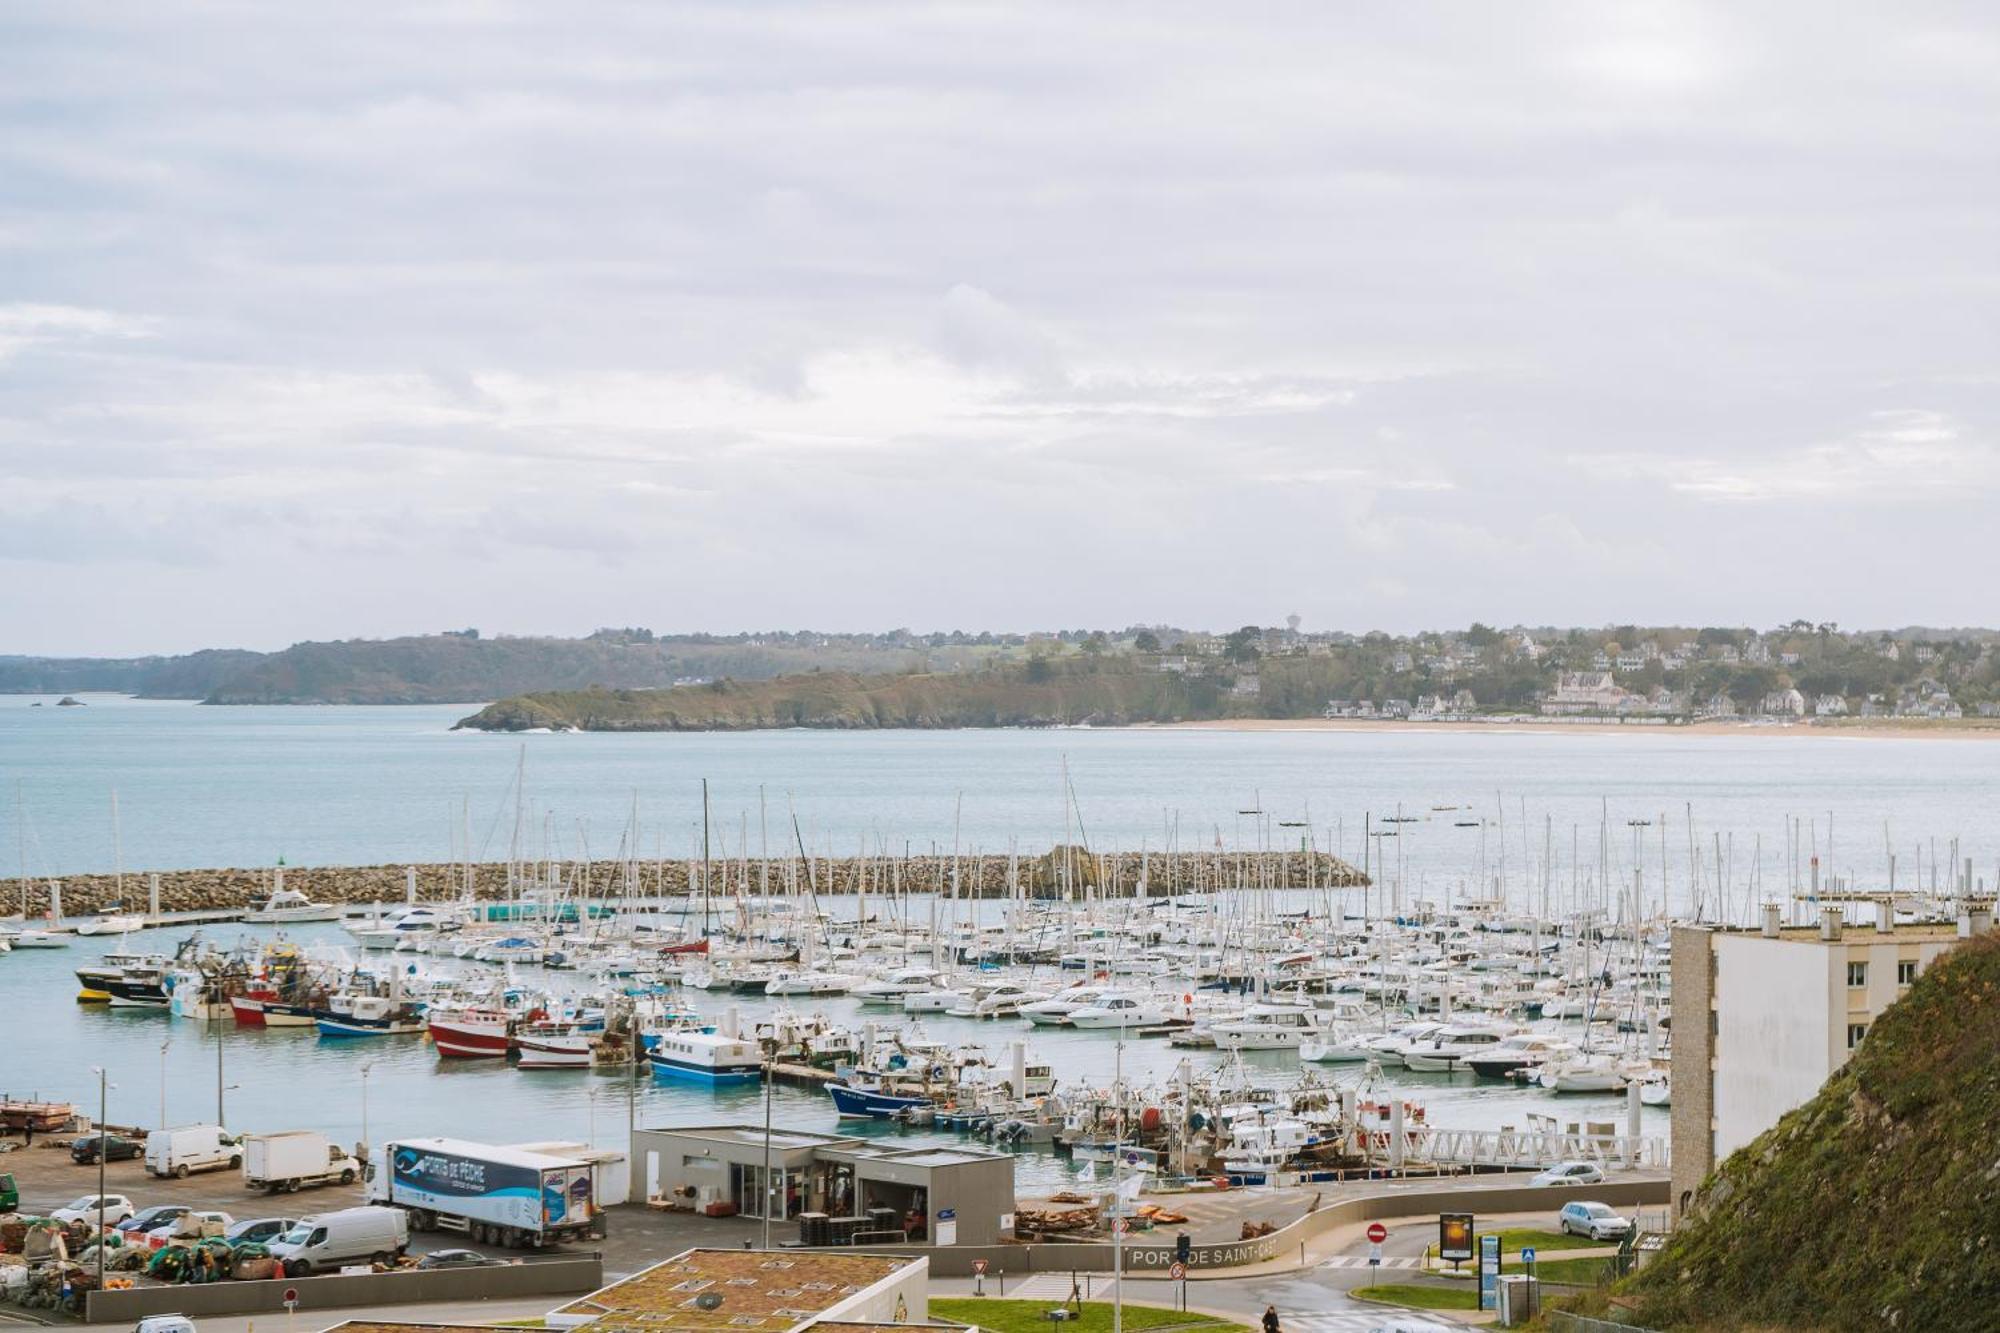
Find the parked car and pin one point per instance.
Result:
(1595, 1220)
(112, 1147)
(259, 1230)
(116, 1209)
(10, 1193)
(1571, 1173)
(459, 1259)
(173, 1225)
(147, 1218)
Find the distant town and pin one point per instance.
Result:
(1626, 673)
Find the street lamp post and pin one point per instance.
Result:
(218, 1072)
(163, 1080)
(770, 1056)
(365, 1067)
(103, 1114)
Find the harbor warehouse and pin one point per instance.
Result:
(835, 1188)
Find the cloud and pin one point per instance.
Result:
(989, 315)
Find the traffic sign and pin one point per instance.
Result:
(1528, 1255)
(979, 1267)
(1377, 1233)
(1374, 1256)
(291, 1298)
(1177, 1271)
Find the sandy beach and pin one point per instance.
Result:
(1967, 729)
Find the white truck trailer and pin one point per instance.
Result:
(295, 1160)
(497, 1196)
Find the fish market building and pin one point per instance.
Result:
(837, 1189)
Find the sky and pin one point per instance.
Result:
(325, 321)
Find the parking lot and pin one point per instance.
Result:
(637, 1236)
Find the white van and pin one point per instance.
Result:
(176, 1152)
(368, 1234)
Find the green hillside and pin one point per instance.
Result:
(1874, 1206)
(1035, 696)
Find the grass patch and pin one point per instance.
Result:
(1513, 1239)
(1415, 1296)
(1033, 1316)
(1575, 1272)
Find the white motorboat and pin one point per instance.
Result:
(111, 925)
(1587, 1073)
(1523, 1050)
(1338, 1046)
(1268, 1027)
(1055, 1011)
(1387, 1050)
(38, 939)
(1656, 1088)
(1006, 1001)
(938, 1000)
(289, 907)
(1446, 1050)
(405, 929)
(1119, 1010)
(889, 990)
(786, 981)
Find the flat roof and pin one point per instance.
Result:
(754, 1135)
(487, 1152)
(762, 1291)
(1851, 932)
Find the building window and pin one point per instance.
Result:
(1906, 972)
(1855, 1032)
(1857, 974)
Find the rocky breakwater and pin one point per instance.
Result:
(1071, 870)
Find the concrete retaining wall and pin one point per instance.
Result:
(545, 1277)
(1154, 1251)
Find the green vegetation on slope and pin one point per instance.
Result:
(1873, 1206)
(1041, 694)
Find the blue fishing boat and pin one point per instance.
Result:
(861, 1101)
(705, 1057)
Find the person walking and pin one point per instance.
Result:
(1271, 1319)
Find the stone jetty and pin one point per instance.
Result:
(1074, 870)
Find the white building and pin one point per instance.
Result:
(1762, 1017)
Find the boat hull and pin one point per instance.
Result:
(865, 1104)
(665, 1067)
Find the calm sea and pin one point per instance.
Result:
(203, 786)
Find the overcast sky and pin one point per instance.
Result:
(333, 321)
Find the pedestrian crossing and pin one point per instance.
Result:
(1344, 1321)
(1361, 1261)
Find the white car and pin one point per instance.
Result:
(1570, 1173)
(116, 1209)
(164, 1323)
(1595, 1220)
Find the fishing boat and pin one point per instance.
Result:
(95, 978)
(370, 1016)
(289, 906)
(473, 1032)
(142, 985)
(554, 1044)
(705, 1057)
(860, 1098)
